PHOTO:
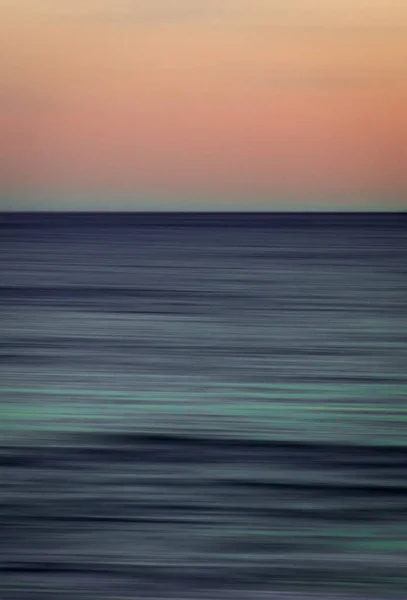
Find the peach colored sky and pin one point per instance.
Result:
(192, 103)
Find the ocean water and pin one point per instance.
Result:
(203, 406)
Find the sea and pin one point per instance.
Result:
(200, 406)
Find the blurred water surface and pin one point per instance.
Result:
(206, 406)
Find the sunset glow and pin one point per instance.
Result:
(281, 104)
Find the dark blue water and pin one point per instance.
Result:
(203, 406)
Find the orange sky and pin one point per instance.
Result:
(284, 103)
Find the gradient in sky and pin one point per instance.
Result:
(185, 104)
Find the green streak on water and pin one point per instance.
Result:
(380, 545)
(246, 409)
(303, 391)
(272, 398)
(237, 411)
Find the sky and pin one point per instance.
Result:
(203, 104)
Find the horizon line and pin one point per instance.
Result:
(204, 211)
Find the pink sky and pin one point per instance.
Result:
(294, 103)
